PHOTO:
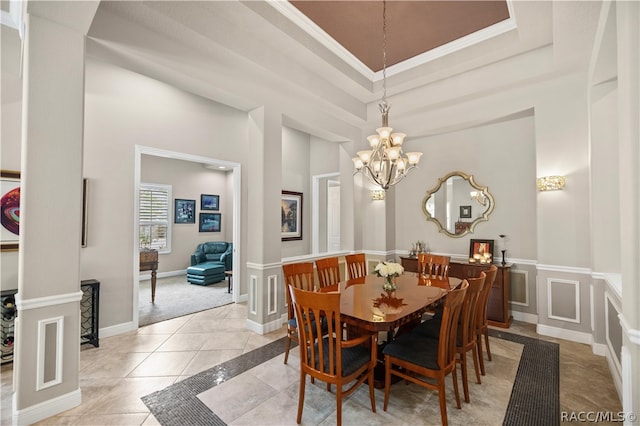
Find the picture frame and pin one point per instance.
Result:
(209, 202)
(465, 212)
(477, 249)
(210, 222)
(10, 210)
(184, 211)
(291, 212)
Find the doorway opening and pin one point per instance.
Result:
(326, 213)
(178, 276)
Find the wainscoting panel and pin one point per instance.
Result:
(253, 290)
(272, 294)
(519, 288)
(613, 329)
(50, 341)
(564, 299)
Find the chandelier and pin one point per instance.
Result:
(385, 164)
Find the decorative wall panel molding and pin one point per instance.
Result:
(563, 300)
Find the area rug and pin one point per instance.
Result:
(175, 297)
(534, 400)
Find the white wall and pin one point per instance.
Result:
(500, 156)
(10, 134)
(605, 203)
(296, 177)
(124, 109)
(189, 180)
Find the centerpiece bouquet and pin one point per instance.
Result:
(389, 271)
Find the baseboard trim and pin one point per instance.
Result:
(524, 317)
(599, 349)
(263, 328)
(574, 336)
(114, 330)
(46, 409)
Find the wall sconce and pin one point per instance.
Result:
(550, 183)
(377, 194)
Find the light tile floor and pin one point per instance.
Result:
(115, 376)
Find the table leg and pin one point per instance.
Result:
(153, 286)
(229, 277)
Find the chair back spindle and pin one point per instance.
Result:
(357, 265)
(328, 271)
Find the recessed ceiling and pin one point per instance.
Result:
(413, 27)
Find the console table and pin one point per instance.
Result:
(8, 315)
(89, 312)
(149, 262)
(499, 310)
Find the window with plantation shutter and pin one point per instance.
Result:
(155, 217)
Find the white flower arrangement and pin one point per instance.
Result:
(389, 269)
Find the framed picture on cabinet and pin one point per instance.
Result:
(291, 211)
(209, 202)
(481, 250)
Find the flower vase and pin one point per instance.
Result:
(389, 284)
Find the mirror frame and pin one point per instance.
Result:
(472, 182)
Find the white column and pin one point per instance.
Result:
(48, 301)
(628, 25)
(264, 271)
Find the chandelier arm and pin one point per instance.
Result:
(371, 176)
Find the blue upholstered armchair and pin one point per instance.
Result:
(209, 262)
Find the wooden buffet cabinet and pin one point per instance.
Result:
(499, 310)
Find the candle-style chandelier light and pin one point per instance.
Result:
(385, 164)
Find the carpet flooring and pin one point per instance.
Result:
(534, 400)
(176, 297)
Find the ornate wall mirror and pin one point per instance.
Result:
(457, 204)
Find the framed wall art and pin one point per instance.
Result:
(10, 210)
(291, 210)
(209, 202)
(210, 222)
(184, 211)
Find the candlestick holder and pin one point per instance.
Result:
(503, 261)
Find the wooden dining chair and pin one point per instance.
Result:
(330, 358)
(433, 266)
(412, 356)
(466, 340)
(328, 271)
(482, 320)
(356, 265)
(299, 275)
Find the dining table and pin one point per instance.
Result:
(365, 305)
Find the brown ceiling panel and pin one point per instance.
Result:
(413, 27)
